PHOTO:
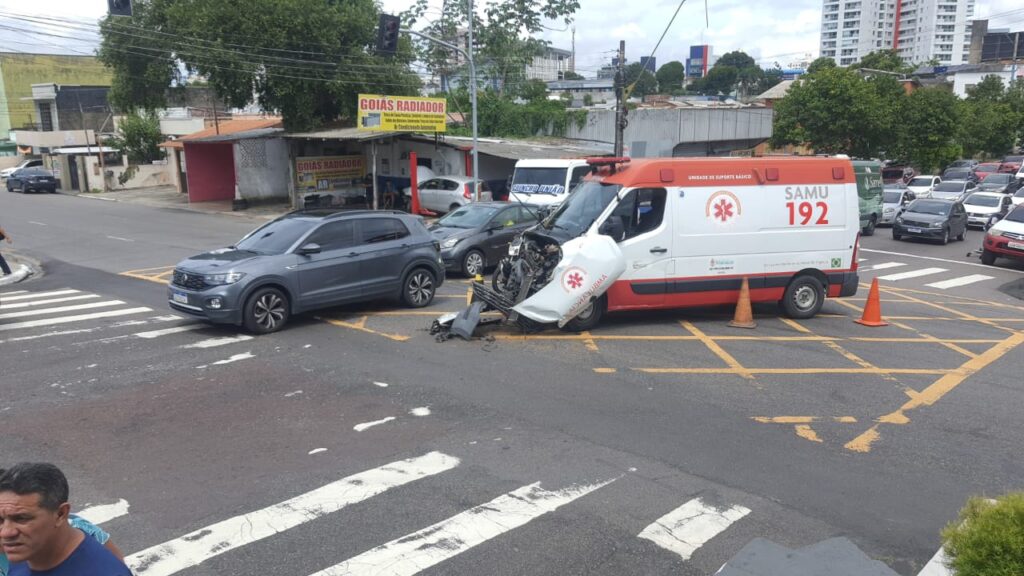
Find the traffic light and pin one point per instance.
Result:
(119, 7)
(387, 34)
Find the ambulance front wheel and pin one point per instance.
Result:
(803, 297)
(589, 318)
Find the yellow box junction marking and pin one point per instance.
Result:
(360, 325)
(157, 274)
(731, 362)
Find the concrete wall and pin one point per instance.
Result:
(261, 168)
(964, 80)
(19, 71)
(55, 139)
(146, 175)
(181, 126)
(211, 171)
(657, 132)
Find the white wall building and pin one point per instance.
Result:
(551, 65)
(919, 30)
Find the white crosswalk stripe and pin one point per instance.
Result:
(418, 551)
(104, 512)
(215, 342)
(687, 528)
(960, 281)
(46, 301)
(912, 274)
(196, 547)
(885, 266)
(60, 309)
(34, 295)
(175, 330)
(75, 318)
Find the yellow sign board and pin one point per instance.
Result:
(402, 113)
(329, 173)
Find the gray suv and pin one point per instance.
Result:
(307, 260)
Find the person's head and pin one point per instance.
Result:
(33, 510)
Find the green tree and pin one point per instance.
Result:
(719, 80)
(138, 137)
(646, 83)
(534, 90)
(834, 111)
(991, 125)
(821, 64)
(570, 75)
(670, 76)
(769, 78)
(734, 72)
(888, 60)
(990, 89)
(929, 124)
(307, 59)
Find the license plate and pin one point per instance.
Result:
(1015, 245)
(179, 297)
(914, 230)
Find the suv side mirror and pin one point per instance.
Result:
(307, 249)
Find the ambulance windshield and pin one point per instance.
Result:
(578, 212)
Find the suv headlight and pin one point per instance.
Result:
(450, 242)
(225, 278)
(937, 224)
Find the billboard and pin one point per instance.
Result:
(329, 173)
(401, 113)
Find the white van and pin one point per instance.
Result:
(546, 182)
(676, 232)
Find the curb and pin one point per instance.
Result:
(22, 268)
(18, 273)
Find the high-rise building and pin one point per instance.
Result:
(919, 30)
(700, 61)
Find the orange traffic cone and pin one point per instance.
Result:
(744, 317)
(872, 308)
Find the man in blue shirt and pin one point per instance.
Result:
(34, 530)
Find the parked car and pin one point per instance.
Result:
(984, 169)
(922, 184)
(28, 163)
(981, 206)
(1002, 183)
(893, 202)
(960, 174)
(896, 173)
(951, 189)
(932, 219)
(1005, 238)
(476, 236)
(1011, 164)
(307, 260)
(32, 180)
(448, 193)
(963, 163)
(1018, 197)
(1020, 174)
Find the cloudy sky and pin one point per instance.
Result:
(771, 31)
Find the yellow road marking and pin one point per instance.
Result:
(848, 305)
(793, 371)
(605, 370)
(927, 340)
(588, 341)
(955, 312)
(855, 359)
(360, 326)
(936, 391)
(894, 289)
(795, 325)
(806, 432)
(717, 350)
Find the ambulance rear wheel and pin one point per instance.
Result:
(803, 297)
(589, 318)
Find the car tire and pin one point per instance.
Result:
(9, 187)
(869, 230)
(473, 263)
(945, 236)
(455, 206)
(803, 297)
(988, 258)
(418, 288)
(266, 311)
(589, 318)
(896, 235)
(962, 235)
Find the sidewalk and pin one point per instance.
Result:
(21, 269)
(169, 197)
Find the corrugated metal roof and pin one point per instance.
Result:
(776, 92)
(343, 134)
(235, 136)
(522, 149)
(224, 128)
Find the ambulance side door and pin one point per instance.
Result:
(646, 243)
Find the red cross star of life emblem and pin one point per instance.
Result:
(723, 207)
(573, 279)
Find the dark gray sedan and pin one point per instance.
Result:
(931, 219)
(477, 235)
(308, 260)
(32, 180)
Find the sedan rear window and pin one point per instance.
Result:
(929, 207)
(920, 182)
(949, 187)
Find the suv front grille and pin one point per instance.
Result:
(1013, 236)
(916, 224)
(188, 280)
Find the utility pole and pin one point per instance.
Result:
(472, 99)
(1013, 69)
(620, 100)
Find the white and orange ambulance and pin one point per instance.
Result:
(679, 232)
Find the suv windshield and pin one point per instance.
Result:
(949, 187)
(929, 207)
(539, 181)
(577, 213)
(982, 200)
(1017, 215)
(891, 197)
(469, 216)
(921, 182)
(275, 237)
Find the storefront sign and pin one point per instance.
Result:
(329, 173)
(401, 113)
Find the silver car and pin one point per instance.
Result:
(448, 193)
(893, 201)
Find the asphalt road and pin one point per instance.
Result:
(352, 441)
